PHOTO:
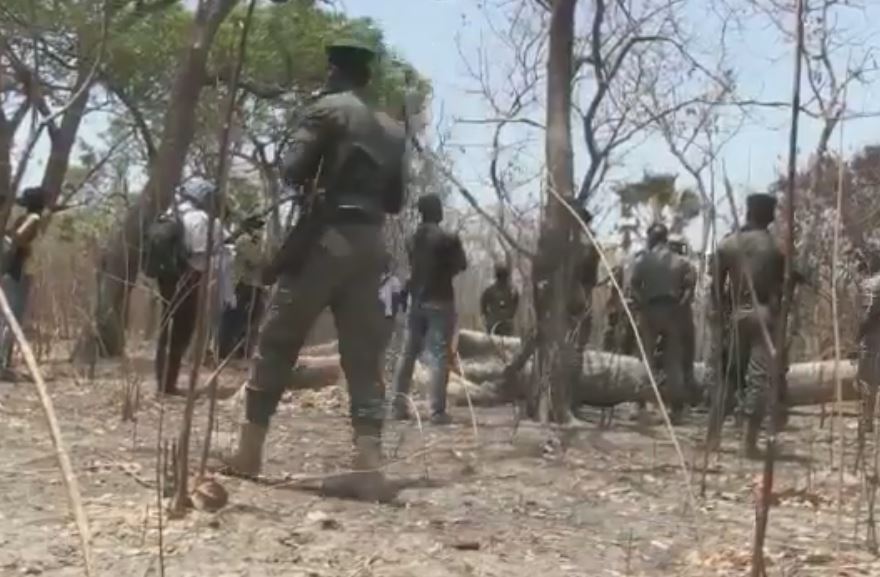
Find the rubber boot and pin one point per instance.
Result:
(247, 461)
(365, 482)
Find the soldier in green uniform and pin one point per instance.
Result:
(355, 157)
(678, 245)
(586, 275)
(869, 338)
(659, 280)
(499, 302)
(749, 257)
(619, 336)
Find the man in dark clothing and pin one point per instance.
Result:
(17, 266)
(678, 245)
(748, 278)
(659, 281)
(499, 302)
(586, 274)
(195, 202)
(436, 257)
(869, 338)
(619, 336)
(356, 158)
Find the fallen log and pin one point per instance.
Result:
(605, 379)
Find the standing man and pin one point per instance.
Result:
(393, 300)
(659, 282)
(586, 275)
(619, 336)
(179, 285)
(436, 257)
(18, 266)
(333, 259)
(241, 323)
(749, 276)
(499, 302)
(678, 245)
(869, 339)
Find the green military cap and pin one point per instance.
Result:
(760, 202)
(349, 51)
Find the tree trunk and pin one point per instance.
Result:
(64, 138)
(120, 263)
(603, 379)
(550, 397)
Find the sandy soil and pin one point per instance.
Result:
(501, 501)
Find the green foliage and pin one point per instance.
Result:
(285, 64)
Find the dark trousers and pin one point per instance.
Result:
(180, 302)
(661, 319)
(240, 324)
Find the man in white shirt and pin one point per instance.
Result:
(393, 300)
(195, 202)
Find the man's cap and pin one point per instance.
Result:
(345, 52)
(761, 201)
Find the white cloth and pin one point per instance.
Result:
(389, 288)
(195, 233)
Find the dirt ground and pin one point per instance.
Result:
(495, 501)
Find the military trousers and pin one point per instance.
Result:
(340, 272)
(662, 319)
(752, 358)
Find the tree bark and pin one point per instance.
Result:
(550, 396)
(120, 262)
(64, 139)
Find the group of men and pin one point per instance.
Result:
(658, 285)
(336, 258)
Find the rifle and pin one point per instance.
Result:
(291, 256)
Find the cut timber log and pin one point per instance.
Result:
(606, 379)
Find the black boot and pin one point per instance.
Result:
(365, 482)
